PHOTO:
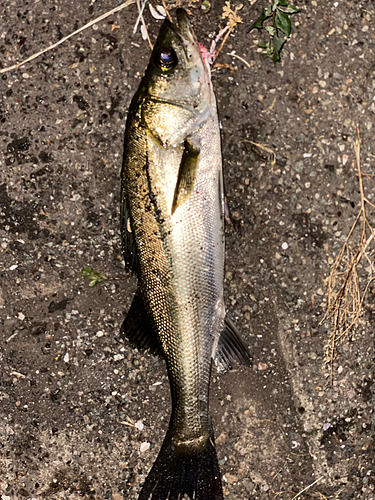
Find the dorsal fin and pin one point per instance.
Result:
(231, 347)
(186, 175)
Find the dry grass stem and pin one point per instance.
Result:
(346, 288)
(307, 487)
(240, 58)
(141, 18)
(264, 148)
(270, 108)
(88, 25)
(167, 11)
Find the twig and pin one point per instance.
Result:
(223, 42)
(166, 10)
(307, 487)
(88, 25)
(11, 337)
(18, 374)
(280, 471)
(270, 108)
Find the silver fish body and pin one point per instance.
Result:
(173, 202)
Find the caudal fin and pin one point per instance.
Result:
(180, 470)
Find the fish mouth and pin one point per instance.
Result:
(183, 21)
(185, 31)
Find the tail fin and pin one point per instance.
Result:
(183, 469)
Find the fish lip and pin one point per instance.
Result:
(183, 19)
(184, 31)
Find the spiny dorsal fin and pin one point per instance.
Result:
(186, 175)
(137, 327)
(231, 348)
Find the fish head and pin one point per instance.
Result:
(177, 83)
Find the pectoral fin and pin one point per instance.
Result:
(186, 175)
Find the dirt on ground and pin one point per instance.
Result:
(83, 414)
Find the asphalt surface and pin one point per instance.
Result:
(83, 414)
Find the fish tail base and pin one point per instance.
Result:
(184, 469)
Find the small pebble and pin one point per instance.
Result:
(231, 478)
(145, 446)
(139, 425)
(284, 246)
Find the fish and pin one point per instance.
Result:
(172, 221)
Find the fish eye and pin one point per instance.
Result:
(166, 58)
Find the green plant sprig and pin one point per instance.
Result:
(278, 11)
(94, 276)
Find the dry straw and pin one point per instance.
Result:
(346, 287)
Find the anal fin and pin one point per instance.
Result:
(137, 327)
(231, 347)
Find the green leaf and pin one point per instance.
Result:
(282, 22)
(263, 45)
(259, 22)
(268, 50)
(94, 276)
(206, 6)
(284, 3)
(277, 46)
(268, 11)
(290, 9)
(86, 273)
(271, 30)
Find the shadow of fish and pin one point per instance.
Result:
(173, 234)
